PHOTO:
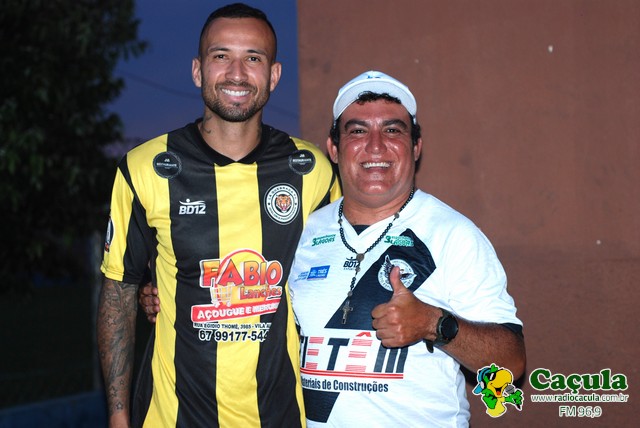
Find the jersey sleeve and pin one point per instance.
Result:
(478, 282)
(126, 250)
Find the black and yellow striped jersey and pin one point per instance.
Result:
(219, 238)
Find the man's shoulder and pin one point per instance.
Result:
(158, 145)
(142, 151)
(321, 221)
(307, 145)
(431, 205)
(321, 215)
(309, 153)
(434, 218)
(309, 159)
(304, 143)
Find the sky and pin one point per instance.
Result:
(160, 96)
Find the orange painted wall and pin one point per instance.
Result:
(531, 121)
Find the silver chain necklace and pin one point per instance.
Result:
(346, 308)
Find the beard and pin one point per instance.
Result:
(234, 112)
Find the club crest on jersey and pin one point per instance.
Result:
(282, 203)
(167, 165)
(407, 275)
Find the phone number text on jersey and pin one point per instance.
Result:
(206, 335)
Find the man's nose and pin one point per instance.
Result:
(375, 143)
(236, 71)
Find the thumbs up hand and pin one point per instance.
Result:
(403, 320)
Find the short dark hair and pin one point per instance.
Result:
(367, 97)
(238, 10)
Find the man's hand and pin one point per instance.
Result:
(149, 301)
(403, 320)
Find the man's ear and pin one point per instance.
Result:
(417, 149)
(196, 75)
(276, 71)
(332, 150)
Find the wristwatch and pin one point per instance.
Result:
(446, 330)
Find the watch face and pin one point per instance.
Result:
(449, 327)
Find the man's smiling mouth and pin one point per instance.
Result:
(368, 165)
(235, 93)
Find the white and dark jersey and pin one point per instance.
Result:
(348, 378)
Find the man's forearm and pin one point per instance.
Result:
(116, 338)
(478, 345)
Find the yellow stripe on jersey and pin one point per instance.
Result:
(237, 404)
(119, 220)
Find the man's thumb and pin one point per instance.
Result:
(396, 284)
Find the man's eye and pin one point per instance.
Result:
(254, 59)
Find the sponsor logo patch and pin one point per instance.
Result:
(399, 241)
(167, 165)
(318, 272)
(326, 239)
(351, 263)
(195, 207)
(243, 286)
(302, 162)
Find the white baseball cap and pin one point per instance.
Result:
(378, 83)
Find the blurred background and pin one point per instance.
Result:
(530, 113)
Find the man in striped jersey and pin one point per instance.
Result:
(215, 210)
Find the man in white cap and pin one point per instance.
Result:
(392, 289)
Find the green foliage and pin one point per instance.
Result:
(56, 79)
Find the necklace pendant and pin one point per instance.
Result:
(345, 310)
(359, 257)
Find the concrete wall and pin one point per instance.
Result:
(531, 120)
